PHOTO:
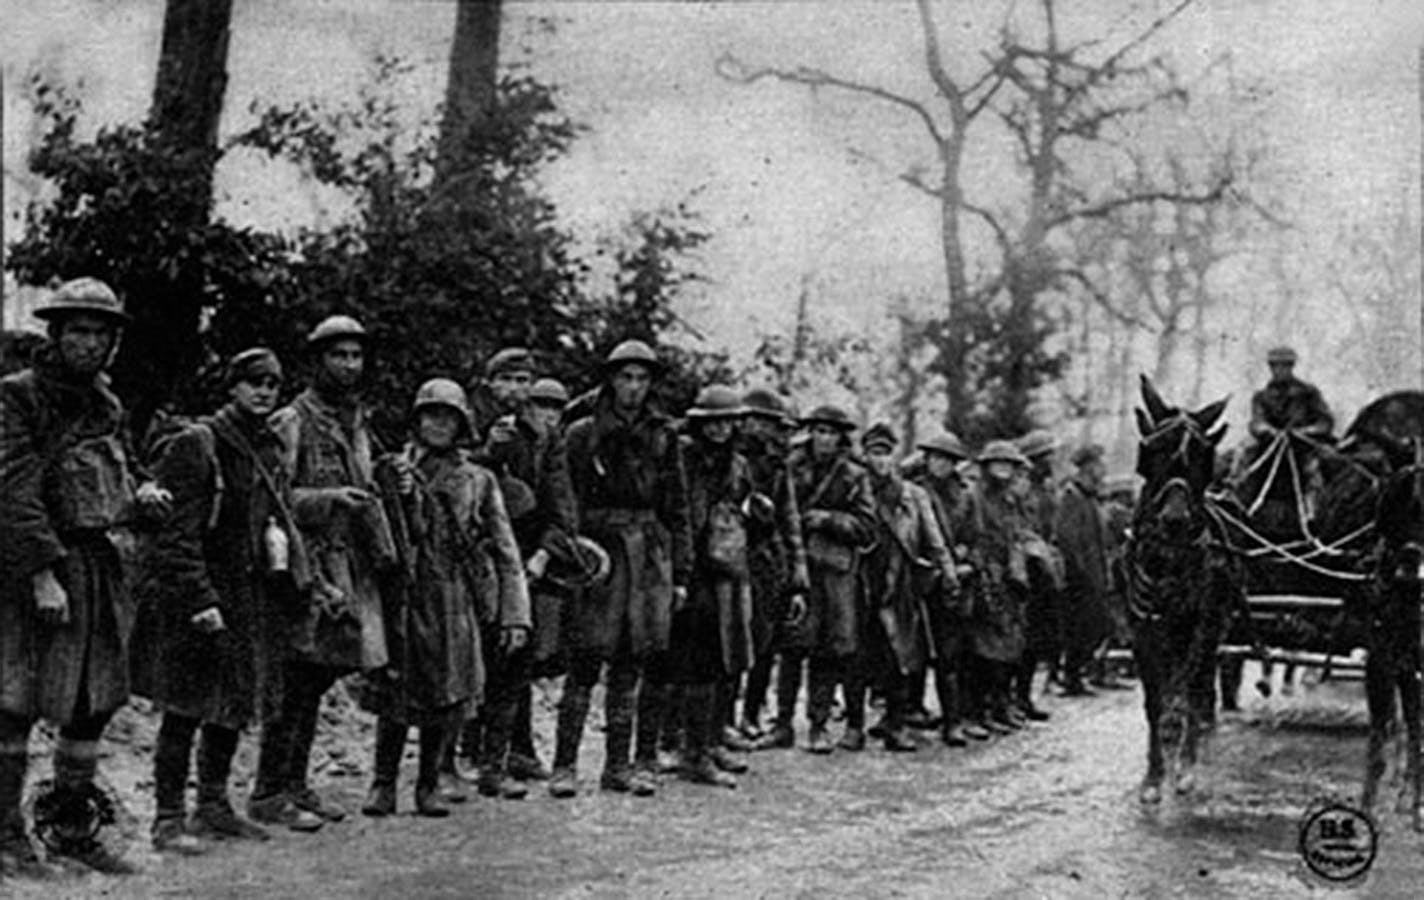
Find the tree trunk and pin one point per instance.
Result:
(192, 73)
(161, 347)
(470, 90)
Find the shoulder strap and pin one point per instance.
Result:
(825, 485)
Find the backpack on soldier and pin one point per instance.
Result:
(165, 429)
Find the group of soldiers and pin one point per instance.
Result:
(246, 561)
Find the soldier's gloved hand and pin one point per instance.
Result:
(153, 499)
(209, 620)
(796, 608)
(50, 599)
(512, 639)
(537, 564)
(352, 497)
(679, 597)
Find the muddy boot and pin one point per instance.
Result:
(954, 736)
(214, 817)
(699, 717)
(75, 764)
(470, 746)
(494, 777)
(524, 763)
(655, 723)
(429, 796)
(788, 684)
(573, 710)
(390, 745)
(18, 858)
(618, 772)
(170, 781)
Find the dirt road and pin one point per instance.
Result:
(1048, 813)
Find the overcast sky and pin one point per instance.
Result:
(771, 168)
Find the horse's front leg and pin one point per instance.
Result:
(1151, 791)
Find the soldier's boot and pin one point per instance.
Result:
(429, 798)
(654, 725)
(170, 781)
(754, 700)
(701, 725)
(1023, 692)
(818, 707)
(76, 762)
(469, 747)
(524, 763)
(951, 728)
(573, 710)
(722, 737)
(788, 684)
(17, 855)
(620, 703)
(299, 756)
(494, 778)
(390, 745)
(855, 688)
(897, 736)
(214, 816)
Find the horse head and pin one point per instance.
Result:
(1176, 458)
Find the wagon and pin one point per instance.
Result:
(1301, 513)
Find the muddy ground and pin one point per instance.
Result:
(1047, 813)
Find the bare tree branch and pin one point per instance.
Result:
(1107, 207)
(1001, 234)
(732, 69)
(1109, 66)
(1101, 298)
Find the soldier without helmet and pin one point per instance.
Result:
(529, 456)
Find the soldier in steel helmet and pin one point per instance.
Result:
(67, 502)
(328, 447)
(632, 499)
(996, 628)
(1043, 614)
(531, 461)
(838, 521)
(959, 519)
(466, 606)
(710, 642)
(776, 553)
(212, 589)
(1082, 534)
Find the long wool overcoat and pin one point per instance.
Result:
(66, 501)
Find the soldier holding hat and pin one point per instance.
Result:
(632, 499)
(1083, 537)
(838, 522)
(328, 447)
(212, 591)
(67, 500)
(777, 554)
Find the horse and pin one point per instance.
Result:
(1184, 583)
(1393, 664)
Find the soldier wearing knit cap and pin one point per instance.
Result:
(909, 572)
(210, 602)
